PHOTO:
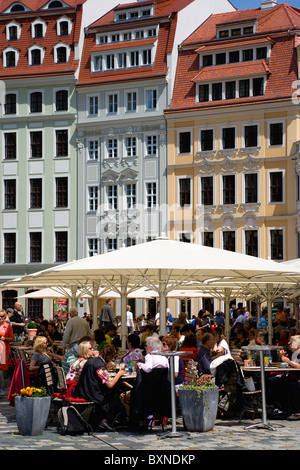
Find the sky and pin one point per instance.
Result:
(244, 4)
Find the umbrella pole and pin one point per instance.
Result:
(124, 331)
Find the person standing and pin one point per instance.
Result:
(130, 324)
(76, 328)
(6, 336)
(17, 320)
(107, 316)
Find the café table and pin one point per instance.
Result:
(261, 349)
(171, 355)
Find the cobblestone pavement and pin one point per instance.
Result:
(226, 435)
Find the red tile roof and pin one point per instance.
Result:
(281, 68)
(165, 14)
(242, 69)
(35, 5)
(23, 69)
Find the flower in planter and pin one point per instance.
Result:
(33, 392)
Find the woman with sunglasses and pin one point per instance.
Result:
(6, 336)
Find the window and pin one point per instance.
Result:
(230, 90)
(36, 58)
(251, 242)
(12, 33)
(35, 247)
(10, 145)
(207, 140)
(261, 53)
(9, 247)
(216, 91)
(147, 59)
(244, 88)
(61, 191)
(185, 237)
(131, 101)
(36, 102)
(276, 240)
(97, 63)
(110, 62)
(112, 244)
(151, 145)
(10, 194)
(228, 138)
(247, 54)
(134, 58)
(276, 186)
(112, 104)
(10, 57)
(229, 241)
(61, 54)
(258, 86)
(63, 28)
(93, 105)
(130, 143)
(112, 196)
(122, 60)
(61, 143)
(251, 133)
(38, 30)
(93, 198)
(234, 56)
(276, 133)
(151, 99)
(203, 93)
(228, 189)
(36, 144)
(61, 247)
(207, 190)
(151, 195)
(207, 60)
(10, 106)
(92, 246)
(93, 149)
(208, 239)
(184, 192)
(36, 193)
(184, 142)
(221, 58)
(251, 188)
(130, 196)
(61, 100)
(112, 148)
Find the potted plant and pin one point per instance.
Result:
(31, 329)
(199, 403)
(32, 407)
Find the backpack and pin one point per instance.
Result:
(71, 422)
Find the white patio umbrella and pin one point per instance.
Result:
(161, 265)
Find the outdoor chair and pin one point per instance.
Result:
(191, 371)
(150, 401)
(62, 398)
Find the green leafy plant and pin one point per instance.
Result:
(32, 325)
(32, 392)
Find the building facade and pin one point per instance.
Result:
(125, 83)
(233, 131)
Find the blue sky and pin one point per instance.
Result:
(244, 4)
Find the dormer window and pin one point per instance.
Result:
(35, 55)
(61, 53)
(10, 57)
(64, 26)
(233, 30)
(38, 29)
(13, 31)
(17, 7)
(55, 4)
(133, 14)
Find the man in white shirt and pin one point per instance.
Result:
(153, 361)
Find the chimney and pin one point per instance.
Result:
(267, 4)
